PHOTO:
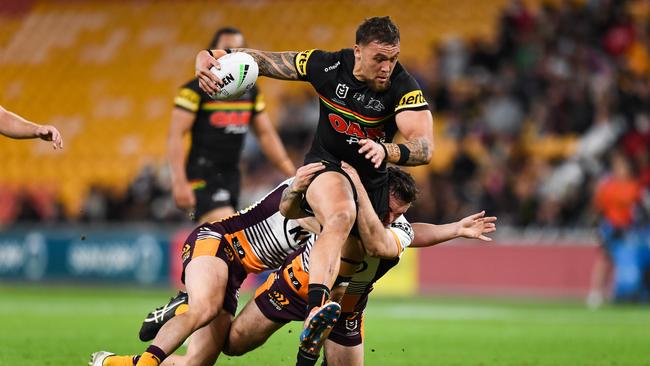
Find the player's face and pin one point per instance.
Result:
(377, 61)
(230, 41)
(396, 208)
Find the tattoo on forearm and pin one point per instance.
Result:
(419, 151)
(393, 153)
(277, 65)
(288, 195)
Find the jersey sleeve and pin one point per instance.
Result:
(402, 233)
(189, 97)
(311, 65)
(286, 183)
(410, 96)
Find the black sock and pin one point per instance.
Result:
(305, 359)
(317, 295)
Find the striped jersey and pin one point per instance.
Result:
(261, 236)
(369, 271)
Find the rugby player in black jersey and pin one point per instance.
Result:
(366, 96)
(16, 127)
(208, 183)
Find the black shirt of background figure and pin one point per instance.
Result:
(219, 128)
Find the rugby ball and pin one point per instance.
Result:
(238, 74)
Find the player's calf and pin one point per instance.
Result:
(161, 315)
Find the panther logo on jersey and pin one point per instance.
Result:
(375, 104)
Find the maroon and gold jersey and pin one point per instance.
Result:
(351, 111)
(295, 271)
(260, 236)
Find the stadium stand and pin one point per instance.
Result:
(106, 72)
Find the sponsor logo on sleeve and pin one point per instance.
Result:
(332, 67)
(301, 62)
(411, 99)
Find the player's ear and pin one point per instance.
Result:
(357, 51)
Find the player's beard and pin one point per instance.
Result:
(376, 87)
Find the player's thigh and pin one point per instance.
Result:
(339, 355)
(329, 193)
(206, 278)
(250, 329)
(217, 214)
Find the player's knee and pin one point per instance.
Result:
(201, 315)
(341, 220)
(234, 345)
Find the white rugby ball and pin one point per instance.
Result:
(238, 74)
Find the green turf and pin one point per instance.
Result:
(62, 326)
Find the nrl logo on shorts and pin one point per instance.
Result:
(351, 324)
(342, 90)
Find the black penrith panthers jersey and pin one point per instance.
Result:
(219, 126)
(351, 111)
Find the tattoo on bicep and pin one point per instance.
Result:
(419, 148)
(277, 65)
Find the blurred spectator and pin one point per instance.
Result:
(522, 121)
(616, 199)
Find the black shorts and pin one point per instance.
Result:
(209, 240)
(214, 190)
(378, 196)
(279, 303)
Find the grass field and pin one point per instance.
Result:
(62, 326)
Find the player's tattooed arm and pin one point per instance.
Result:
(417, 129)
(277, 65)
(413, 152)
(290, 204)
(292, 196)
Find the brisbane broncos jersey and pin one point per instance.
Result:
(351, 111)
(261, 237)
(219, 126)
(369, 271)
